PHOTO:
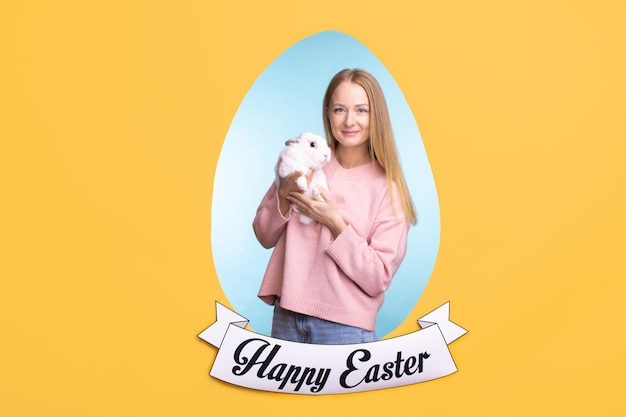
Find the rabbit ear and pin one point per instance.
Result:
(291, 141)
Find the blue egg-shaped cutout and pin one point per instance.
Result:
(285, 101)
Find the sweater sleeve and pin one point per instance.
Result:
(372, 262)
(269, 223)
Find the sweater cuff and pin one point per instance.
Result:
(277, 216)
(343, 244)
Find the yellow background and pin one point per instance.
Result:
(112, 118)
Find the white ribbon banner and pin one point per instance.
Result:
(256, 361)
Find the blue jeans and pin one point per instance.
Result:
(296, 327)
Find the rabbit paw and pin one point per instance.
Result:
(301, 182)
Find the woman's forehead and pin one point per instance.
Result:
(349, 93)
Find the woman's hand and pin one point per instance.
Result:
(288, 186)
(325, 212)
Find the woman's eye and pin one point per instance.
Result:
(338, 110)
(362, 110)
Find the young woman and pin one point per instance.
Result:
(327, 279)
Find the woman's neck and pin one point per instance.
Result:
(352, 157)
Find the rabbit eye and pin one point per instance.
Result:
(313, 144)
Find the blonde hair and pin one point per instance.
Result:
(382, 143)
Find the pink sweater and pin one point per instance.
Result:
(344, 279)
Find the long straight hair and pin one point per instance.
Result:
(382, 144)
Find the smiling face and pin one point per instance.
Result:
(349, 117)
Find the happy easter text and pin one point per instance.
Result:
(258, 356)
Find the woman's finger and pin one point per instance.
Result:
(324, 193)
(296, 198)
(294, 175)
(302, 201)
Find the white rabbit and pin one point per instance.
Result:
(308, 151)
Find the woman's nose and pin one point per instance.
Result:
(350, 119)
